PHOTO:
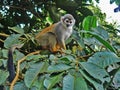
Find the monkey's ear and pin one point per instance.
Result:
(62, 18)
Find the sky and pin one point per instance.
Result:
(108, 8)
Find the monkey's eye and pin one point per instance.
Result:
(70, 21)
(66, 21)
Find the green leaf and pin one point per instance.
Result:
(101, 32)
(117, 2)
(18, 55)
(33, 57)
(58, 68)
(98, 86)
(32, 73)
(74, 83)
(17, 29)
(20, 86)
(116, 79)
(89, 22)
(50, 82)
(67, 59)
(100, 39)
(3, 76)
(104, 59)
(68, 82)
(96, 71)
(1, 62)
(4, 53)
(11, 40)
(80, 83)
(78, 38)
(39, 83)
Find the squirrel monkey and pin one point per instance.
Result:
(53, 37)
(10, 65)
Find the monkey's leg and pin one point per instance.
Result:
(62, 44)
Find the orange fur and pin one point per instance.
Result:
(52, 43)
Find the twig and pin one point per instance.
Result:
(4, 35)
(1, 40)
(18, 68)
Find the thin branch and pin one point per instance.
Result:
(4, 35)
(1, 40)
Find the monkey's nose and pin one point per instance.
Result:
(67, 25)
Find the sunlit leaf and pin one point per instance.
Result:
(89, 22)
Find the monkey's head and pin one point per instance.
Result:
(68, 20)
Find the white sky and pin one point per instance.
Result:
(108, 8)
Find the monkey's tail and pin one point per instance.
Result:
(10, 64)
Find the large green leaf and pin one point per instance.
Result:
(50, 82)
(96, 71)
(32, 73)
(103, 59)
(74, 83)
(98, 86)
(11, 40)
(3, 76)
(89, 22)
(68, 82)
(100, 39)
(58, 68)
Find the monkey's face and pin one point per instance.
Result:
(68, 20)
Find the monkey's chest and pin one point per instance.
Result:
(67, 34)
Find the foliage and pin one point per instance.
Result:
(92, 58)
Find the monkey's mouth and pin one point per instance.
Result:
(67, 25)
